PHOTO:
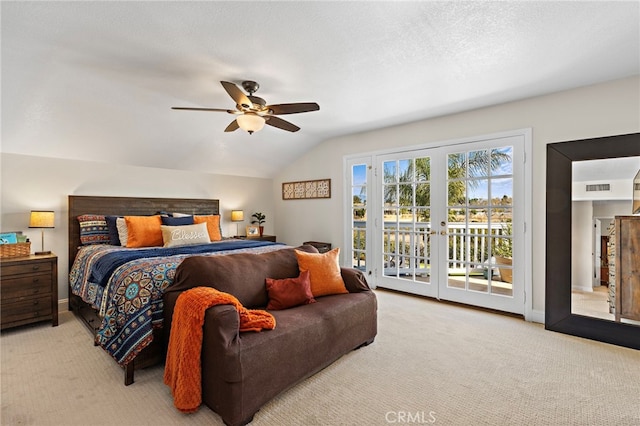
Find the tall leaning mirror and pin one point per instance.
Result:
(561, 249)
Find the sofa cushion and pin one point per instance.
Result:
(324, 272)
(240, 274)
(289, 292)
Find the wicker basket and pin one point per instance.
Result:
(15, 250)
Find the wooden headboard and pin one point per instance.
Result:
(131, 206)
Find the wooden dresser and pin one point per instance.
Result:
(28, 290)
(627, 267)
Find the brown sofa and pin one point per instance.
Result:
(243, 371)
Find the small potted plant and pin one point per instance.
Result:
(503, 253)
(259, 218)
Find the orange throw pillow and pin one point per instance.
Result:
(324, 272)
(213, 225)
(143, 231)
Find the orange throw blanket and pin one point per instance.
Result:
(182, 372)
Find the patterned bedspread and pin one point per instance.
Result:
(130, 304)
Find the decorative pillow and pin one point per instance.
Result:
(213, 225)
(184, 235)
(289, 292)
(114, 238)
(93, 229)
(121, 225)
(324, 271)
(177, 221)
(180, 214)
(143, 231)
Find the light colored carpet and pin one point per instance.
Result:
(432, 363)
(592, 303)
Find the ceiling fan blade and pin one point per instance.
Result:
(230, 111)
(232, 126)
(236, 94)
(296, 108)
(281, 124)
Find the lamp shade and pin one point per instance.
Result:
(41, 219)
(237, 215)
(250, 122)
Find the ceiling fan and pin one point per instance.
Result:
(253, 112)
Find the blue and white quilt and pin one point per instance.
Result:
(126, 286)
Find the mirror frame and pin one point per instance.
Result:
(558, 316)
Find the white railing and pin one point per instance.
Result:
(467, 244)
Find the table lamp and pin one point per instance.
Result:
(41, 219)
(237, 216)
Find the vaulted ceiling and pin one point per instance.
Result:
(96, 81)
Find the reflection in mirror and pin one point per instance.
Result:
(562, 255)
(601, 190)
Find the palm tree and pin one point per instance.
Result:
(460, 166)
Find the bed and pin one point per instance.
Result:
(117, 292)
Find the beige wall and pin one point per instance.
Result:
(600, 110)
(30, 183)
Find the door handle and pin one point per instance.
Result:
(443, 232)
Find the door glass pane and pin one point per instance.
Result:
(359, 215)
(456, 193)
(502, 161)
(423, 169)
(405, 171)
(423, 194)
(359, 260)
(457, 165)
(390, 170)
(405, 191)
(478, 190)
(478, 163)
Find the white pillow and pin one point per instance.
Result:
(123, 233)
(185, 235)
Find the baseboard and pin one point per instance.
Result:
(535, 316)
(63, 305)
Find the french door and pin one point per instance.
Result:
(440, 222)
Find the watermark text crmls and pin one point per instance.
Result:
(410, 417)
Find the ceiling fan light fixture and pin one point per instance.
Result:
(250, 122)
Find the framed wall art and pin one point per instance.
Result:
(306, 189)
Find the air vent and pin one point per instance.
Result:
(599, 187)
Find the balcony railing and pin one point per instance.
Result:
(407, 246)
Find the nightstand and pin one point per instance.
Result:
(322, 247)
(28, 290)
(271, 238)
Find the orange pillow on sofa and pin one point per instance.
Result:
(213, 225)
(324, 272)
(143, 231)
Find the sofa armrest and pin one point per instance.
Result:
(223, 324)
(354, 280)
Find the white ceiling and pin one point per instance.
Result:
(96, 80)
(605, 170)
